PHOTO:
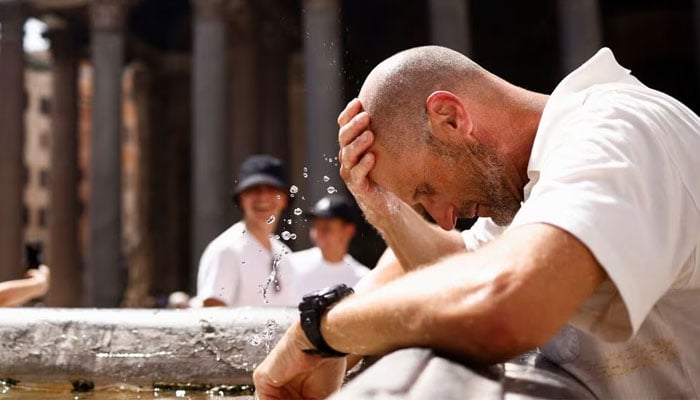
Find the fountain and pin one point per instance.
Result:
(219, 347)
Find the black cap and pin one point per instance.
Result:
(334, 206)
(261, 169)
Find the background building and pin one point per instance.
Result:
(154, 104)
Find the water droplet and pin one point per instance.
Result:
(306, 169)
(331, 190)
(297, 211)
(272, 219)
(293, 189)
(293, 236)
(289, 221)
(286, 235)
(326, 179)
(305, 175)
(242, 261)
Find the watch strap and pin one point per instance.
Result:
(311, 309)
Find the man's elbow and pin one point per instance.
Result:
(498, 327)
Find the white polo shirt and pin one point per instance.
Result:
(308, 271)
(235, 268)
(616, 164)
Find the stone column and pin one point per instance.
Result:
(244, 128)
(449, 24)
(64, 254)
(105, 265)
(580, 31)
(697, 38)
(12, 106)
(323, 76)
(210, 145)
(273, 86)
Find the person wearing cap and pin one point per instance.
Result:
(236, 268)
(328, 263)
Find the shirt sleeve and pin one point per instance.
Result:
(483, 231)
(613, 187)
(218, 275)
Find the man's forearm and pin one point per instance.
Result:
(415, 241)
(487, 305)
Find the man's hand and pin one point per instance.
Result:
(287, 373)
(41, 277)
(356, 162)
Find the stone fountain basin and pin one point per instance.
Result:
(222, 346)
(138, 346)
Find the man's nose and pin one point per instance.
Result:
(443, 215)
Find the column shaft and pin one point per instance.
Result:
(105, 266)
(580, 31)
(244, 78)
(323, 61)
(12, 170)
(210, 157)
(449, 24)
(63, 254)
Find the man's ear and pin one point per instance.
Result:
(446, 110)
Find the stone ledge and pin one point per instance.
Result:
(418, 374)
(139, 347)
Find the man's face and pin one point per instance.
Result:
(261, 202)
(331, 233)
(448, 181)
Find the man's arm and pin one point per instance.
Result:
(414, 240)
(488, 305)
(19, 291)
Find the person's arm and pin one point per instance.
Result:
(485, 306)
(414, 240)
(17, 292)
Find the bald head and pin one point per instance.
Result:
(395, 92)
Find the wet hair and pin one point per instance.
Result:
(395, 92)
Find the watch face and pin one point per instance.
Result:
(334, 289)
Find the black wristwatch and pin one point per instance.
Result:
(312, 308)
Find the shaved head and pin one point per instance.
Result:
(449, 166)
(395, 92)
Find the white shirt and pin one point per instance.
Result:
(308, 271)
(236, 269)
(616, 164)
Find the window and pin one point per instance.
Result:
(44, 140)
(42, 218)
(45, 105)
(44, 178)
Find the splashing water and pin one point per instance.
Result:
(266, 336)
(331, 190)
(272, 277)
(326, 178)
(297, 211)
(271, 219)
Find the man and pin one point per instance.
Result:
(588, 199)
(238, 268)
(333, 227)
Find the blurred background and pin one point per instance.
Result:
(123, 122)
